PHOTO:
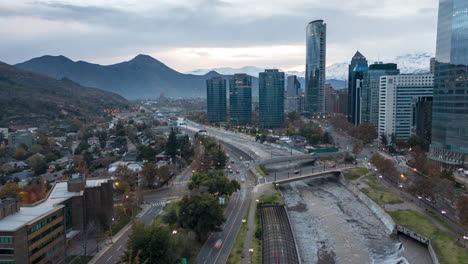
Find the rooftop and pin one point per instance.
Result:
(29, 214)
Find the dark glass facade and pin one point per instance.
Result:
(216, 99)
(271, 99)
(240, 98)
(450, 104)
(358, 62)
(316, 35)
(370, 90)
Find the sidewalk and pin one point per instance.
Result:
(108, 244)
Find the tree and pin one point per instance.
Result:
(149, 173)
(201, 213)
(124, 174)
(219, 158)
(462, 208)
(383, 139)
(216, 183)
(366, 132)
(37, 164)
(88, 158)
(401, 143)
(171, 145)
(164, 173)
(20, 154)
(10, 189)
(146, 152)
(357, 147)
(153, 244)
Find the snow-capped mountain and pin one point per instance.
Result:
(408, 63)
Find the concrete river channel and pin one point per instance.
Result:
(331, 225)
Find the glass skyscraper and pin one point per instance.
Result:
(240, 98)
(450, 103)
(216, 99)
(370, 90)
(316, 35)
(271, 98)
(358, 63)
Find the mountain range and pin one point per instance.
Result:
(146, 77)
(28, 98)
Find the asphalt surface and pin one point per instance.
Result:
(115, 253)
(234, 214)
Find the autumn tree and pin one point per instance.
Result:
(216, 183)
(20, 154)
(149, 173)
(357, 147)
(164, 173)
(10, 189)
(462, 208)
(366, 132)
(124, 174)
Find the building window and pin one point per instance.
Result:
(7, 251)
(6, 240)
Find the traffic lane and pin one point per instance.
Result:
(210, 253)
(151, 214)
(115, 253)
(225, 249)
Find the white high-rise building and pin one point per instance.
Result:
(397, 94)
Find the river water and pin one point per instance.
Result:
(332, 226)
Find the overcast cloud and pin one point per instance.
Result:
(193, 34)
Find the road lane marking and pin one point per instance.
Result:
(109, 259)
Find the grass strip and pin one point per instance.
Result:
(445, 247)
(235, 255)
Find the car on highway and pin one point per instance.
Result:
(232, 161)
(237, 172)
(218, 243)
(354, 163)
(332, 165)
(296, 171)
(242, 179)
(229, 167)
(230, 171)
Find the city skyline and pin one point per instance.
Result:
(110, 32)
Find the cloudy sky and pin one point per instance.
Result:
(193, 34)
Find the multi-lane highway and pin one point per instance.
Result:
(219, 244)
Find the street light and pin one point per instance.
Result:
(174, 232)
(444, 212)
(465, 238)
(243, 220)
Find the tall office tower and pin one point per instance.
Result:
(316, 34)
(240, 98)
(396, 102)
(357, 62)
(370, 90)
(450, 105)
(432, 66)
(293, 94)
(216, 99)
(423, 117)
(271, 98)
(329, 103)
(356, 88)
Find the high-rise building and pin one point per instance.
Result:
(432, 66)
(397, 96)
(293, 93)
(450, 105)
(342, 102)
(370, 90)
(216, 99)
(423, 117)
(356, 98)
(357, 62)
(240, 98)
(316, 34)
(271, 98)
(329, 102)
